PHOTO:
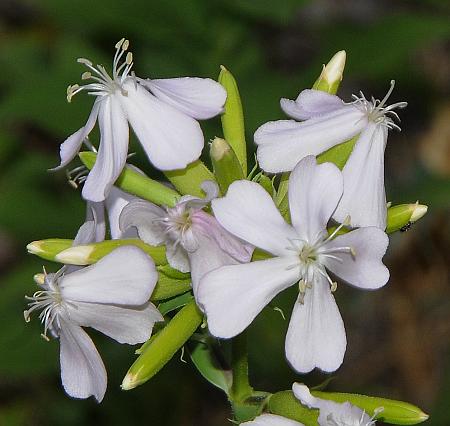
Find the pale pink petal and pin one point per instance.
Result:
(82, 370)
(310, 104)
(126, 324)
(271, 420)
(199, 98)
(282, 144)
(115, 203)
(364, 196)
(364, 268)
(126, 276)
(316, 335)
(314, 191)
(70, 147)
(112, 152)
(177, 256)
(170, 138)
(232, 296)
(249, 212)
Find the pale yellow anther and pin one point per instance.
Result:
(126, 44)
(333, 286)
(301, 286)
(119, 43)
(45, 337)
(352, 251)
(86, 75)
(347, 221)
(26, 316)
(129, 58)
(84, 61)
(39, 279)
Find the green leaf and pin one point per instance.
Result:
(205, 359)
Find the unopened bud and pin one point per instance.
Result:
(402, 216)
(225, 163)
(332, 73)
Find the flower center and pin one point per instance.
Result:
(377, 111)
(49, 300)
(311, 257)
(104, 84)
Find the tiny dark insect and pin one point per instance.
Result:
(407, 227)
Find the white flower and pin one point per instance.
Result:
(194, 240)
(272, 420)
(333, 413)
(232, 296)
(110, 296)
(162, 113)
(330, 121)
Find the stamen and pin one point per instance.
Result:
(85, 61)
(86, 75)
(125, 45)
(119, 43)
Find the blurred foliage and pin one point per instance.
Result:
(274, 49)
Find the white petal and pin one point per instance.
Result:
(177, 257)
(112, 152)
(232, 296)
(95, 212)
(364, 196)
(126, 324)
(365, 269)
(115, 203)
(311, 104)
(146, 217)
(70, 147)
(208, 256)
(209, 226)
(82, 370)
(316, 334)
(282, 144)
(314, 191)
(271, 420)
(170, 138)
(200, 98)
(248, 212)
(126, 276)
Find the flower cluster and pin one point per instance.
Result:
(216, 248)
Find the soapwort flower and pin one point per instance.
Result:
(194, 240)
(232, 296)
(163, 114)
(328, 122)
(107, 296)
(333, 413)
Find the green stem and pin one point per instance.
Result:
(241, 388)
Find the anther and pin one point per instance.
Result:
(119, 43)
(86, 75)
(125, 45)
(353, 252)
(333, 286)
(84, 61)
(44, 336)
(129, 58)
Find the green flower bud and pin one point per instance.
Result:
(91, 253)
(233, 118)
(137, 184)
(225, 163)
(331, 75)
(163, 346)
(48, 249)
(402, 216)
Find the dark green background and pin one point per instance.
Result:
(398, 336)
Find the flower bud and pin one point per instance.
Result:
(225, 163)
(331, 75)
(233, 118)
(62, 250)
(163, 346)
(402, 216)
